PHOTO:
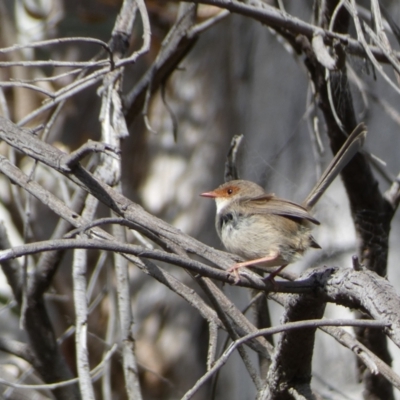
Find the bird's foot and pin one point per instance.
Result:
(264, 260)
(272, 275)
(234, 270)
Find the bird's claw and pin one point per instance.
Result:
(234, 270)
(271, 279)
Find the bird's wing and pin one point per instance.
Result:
(269, 204)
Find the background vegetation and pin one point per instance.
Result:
(115, 115)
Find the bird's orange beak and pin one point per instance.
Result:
(211, 195)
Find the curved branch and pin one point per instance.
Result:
(276, 18)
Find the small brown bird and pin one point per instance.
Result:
(268, 231)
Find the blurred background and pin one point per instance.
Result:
(239, 78)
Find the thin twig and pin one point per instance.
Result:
(271, 331)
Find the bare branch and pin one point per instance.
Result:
(277, 19)
(126, 322)
(80, 301)
(289, 326)
(89, 147)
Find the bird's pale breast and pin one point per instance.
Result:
(253, 236)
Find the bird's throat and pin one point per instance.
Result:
(221, 203)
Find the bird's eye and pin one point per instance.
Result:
(229, 191)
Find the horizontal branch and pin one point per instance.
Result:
(290, 326)
(139, 251)
(366, 356)
(363, 290)
(276, 18)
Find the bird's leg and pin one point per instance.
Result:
(272, 275)
(264, 260)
